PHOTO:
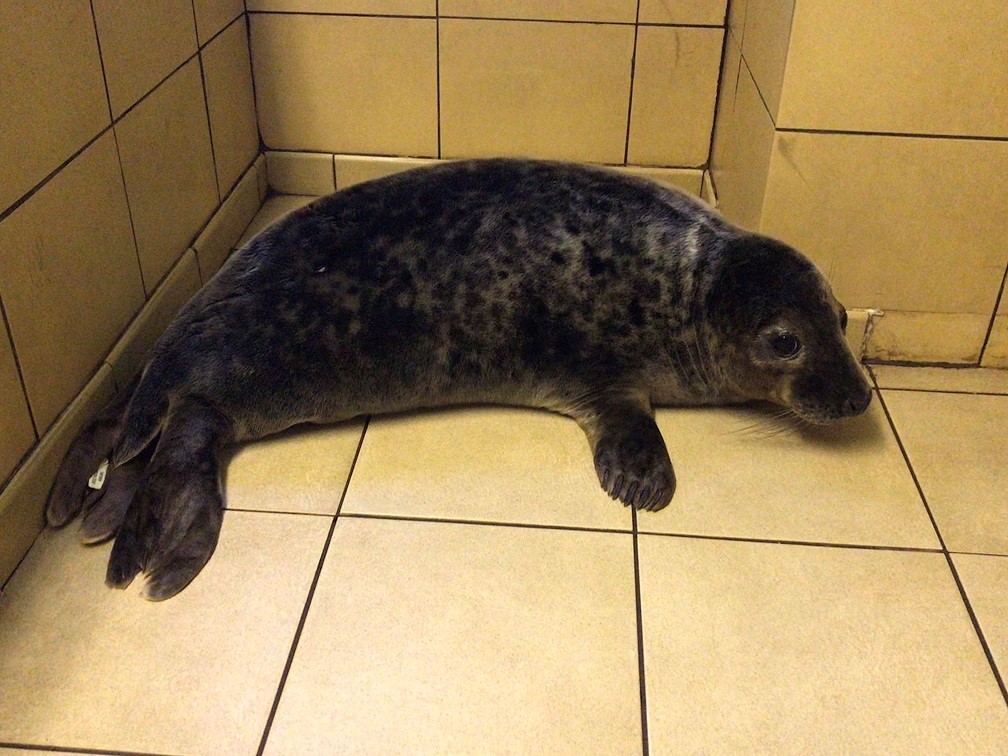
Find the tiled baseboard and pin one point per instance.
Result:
(315, 173)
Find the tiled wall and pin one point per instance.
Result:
(874, 136)
(607, 81)
(122, 127)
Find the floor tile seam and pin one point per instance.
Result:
(953, 392)
(485, 523)
(794, 542)
(993, 554)
(516, 19)
(633, 71)
(19, 746)
(948, 557)
(641, 671)
(308, 601)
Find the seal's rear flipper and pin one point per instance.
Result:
(105, 510)
(173, 521)
(87, 452)
(176, 569)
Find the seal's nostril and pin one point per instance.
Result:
(857, 403)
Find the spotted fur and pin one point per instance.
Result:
(575, 289)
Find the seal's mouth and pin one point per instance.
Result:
(818, 413)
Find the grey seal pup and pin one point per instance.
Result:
(575, 289)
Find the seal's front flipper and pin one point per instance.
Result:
(173, 521)
(631, 460)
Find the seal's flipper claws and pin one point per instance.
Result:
(172, 571)
(629, 452)
(173, 521)
(124, 561)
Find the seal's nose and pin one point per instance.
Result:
(857, 402)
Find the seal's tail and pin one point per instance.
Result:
(174, 519)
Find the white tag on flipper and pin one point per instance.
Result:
(97, 480)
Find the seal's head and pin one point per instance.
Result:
(781, 331)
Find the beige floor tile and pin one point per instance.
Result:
(985, 578)
(763, 648)
(956, 445)
(444, 638)
(85, 666)
(535, 89)
(272, 210)
(969, 380)
(842, 484)
(486, 464)
(302, 470)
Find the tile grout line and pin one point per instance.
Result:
(899, 134)
(953, 392)
(255, 97)
(75, 749)
(717, 93)
(589, 529)
(437, 73)
(633, 67)
(393, 157)
(994, 316)
(115, 137)
(6, 212)
(646, 748)
(948, 556)
(206, 101)
(24, 386)
(787, 542)
(308, 599)
(482, 523)
(461, 17)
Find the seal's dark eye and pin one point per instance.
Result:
(785, 345)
